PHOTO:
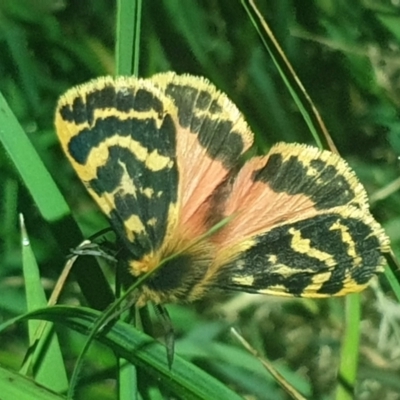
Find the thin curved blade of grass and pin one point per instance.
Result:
(184, 379)
(289, 389)
(290, 78)
(46, 360)
(17, 386)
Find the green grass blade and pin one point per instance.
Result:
(47, 361)
(184, 379)
(127, 380)
(391, 277)
(128, 37)
(40, 184)
(291, 80)
(17, 386)
(349, 349)
(129, 16)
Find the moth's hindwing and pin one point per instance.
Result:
(302, 227)
(329, 254)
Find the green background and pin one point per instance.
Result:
(347, 56)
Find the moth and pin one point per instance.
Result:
(164, 159)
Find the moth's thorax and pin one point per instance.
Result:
(181, 276)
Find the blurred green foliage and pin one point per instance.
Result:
(346, 54)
